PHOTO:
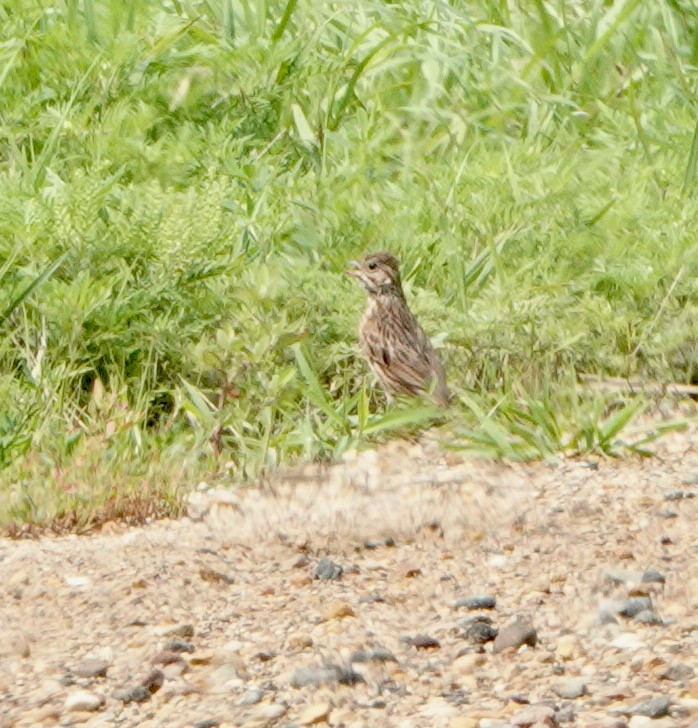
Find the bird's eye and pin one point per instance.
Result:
(373, 265)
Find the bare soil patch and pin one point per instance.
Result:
(362, 595)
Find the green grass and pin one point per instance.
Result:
(182, 182)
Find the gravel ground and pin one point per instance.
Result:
(400, 588)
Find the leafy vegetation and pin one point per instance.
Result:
(182, 182)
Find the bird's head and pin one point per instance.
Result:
(378, 273)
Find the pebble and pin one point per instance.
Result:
(634, 605)
(641, 721)
(648, 617)
(252, 697)
(327, 570)
(479, 601)
(83, 700)
(533, 715)
(92, 667)
(150, 684)
(178, 645)
(425, 642)
(653, 708)
(268, 714)
(331, 674)
(678, 673)
(379, 654)
(571, 689)
(480, 632)
(520, 632)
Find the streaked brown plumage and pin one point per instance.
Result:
(394, 344)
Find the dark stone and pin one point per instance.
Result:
(678, 673)
(575, 687)
(153, 681)
(379, 654)
(652, 576)
(654, 708)
(327, 675)
(480, 632)
(136, 694)
(208, 723)
(478, 601)
(634, 605)
(425, 642)
(327, 570)
(177, 645)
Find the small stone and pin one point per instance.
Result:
(91, 667)
(654, 708)
(267, 715)
(339, 610)
(327, 570)
(480, 632)
(314, 714)
(652, 576)
(425, 642)
(568, 647)
(252, 697)
(83, 700)
(153, 681)
(331, 674)
(135, 694)
(478, 601)
(647, 616)
(379, 654)
(678, 673)
(633, 606)
(571, 689)
(177, 645)
(514, 635)
(207, 723)
(149, 685)
(534, 715)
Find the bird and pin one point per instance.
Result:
(391, 339)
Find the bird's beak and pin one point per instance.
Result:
(354, 266)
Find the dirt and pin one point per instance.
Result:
(362, 595)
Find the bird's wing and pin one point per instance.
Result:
(406, 358)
